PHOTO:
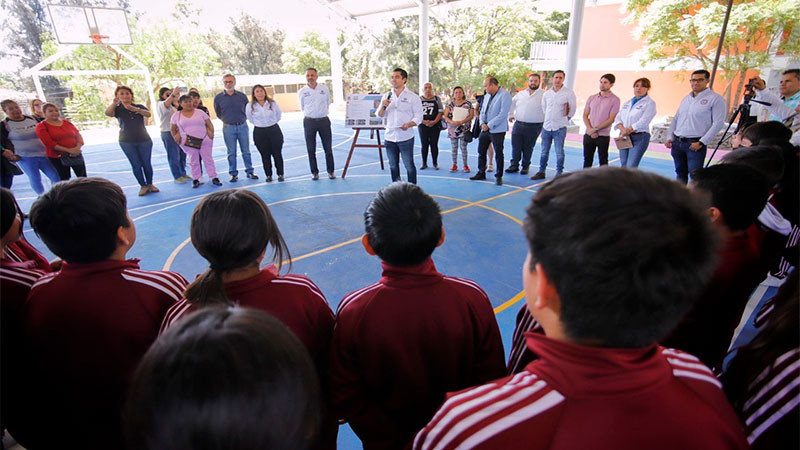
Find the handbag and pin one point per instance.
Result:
(72, 160)
(468, 136)
(10, 167)
(191, 141)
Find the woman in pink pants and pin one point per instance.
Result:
(191, 128)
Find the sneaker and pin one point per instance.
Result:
(512, 169)
(152, 188)
(234, 178)
(478, 176)
(179, 180)
(143, 191)
(454, 168)
(252, 176)
(216, 182)
(268, 179)
(538, 176)
(315, 176)
(195, 184)
(466, 169)
(523, 172)
(423, 166)
(331, 176)
(280, 177)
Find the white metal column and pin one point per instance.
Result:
(423, 44)
(336, 68)
(573, 41)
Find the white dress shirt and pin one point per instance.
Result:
(527, 107)
(263, 116)
(314, 102)
(553, 105)
(639, 116)
(404, 108)
(699, 116)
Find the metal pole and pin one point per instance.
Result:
(721, 41)
(39, 91)
(423, 44)
(573, 41)
(336, 68)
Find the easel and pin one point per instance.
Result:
(355, 144)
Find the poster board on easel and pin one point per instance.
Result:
(361, 114)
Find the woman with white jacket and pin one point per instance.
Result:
(633, 120)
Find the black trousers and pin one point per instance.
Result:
(269, 142)
(322, 126)
(429, 137)
(590, 144)
(63, 171)
(496, 139)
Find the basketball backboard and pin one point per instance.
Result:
(90, 25)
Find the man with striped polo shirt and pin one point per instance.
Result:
(601, 380)
(87, 325)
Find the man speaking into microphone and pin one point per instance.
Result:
(403, 110)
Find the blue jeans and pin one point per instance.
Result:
(241, 133)
(31, 165)
(405, 149)
(686, 160)
(138, 154)
(523, 139)
(631, 157)
(175, 156)
(547, 139)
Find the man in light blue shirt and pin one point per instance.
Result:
(494, 124)
(781, 108)
(699, 118)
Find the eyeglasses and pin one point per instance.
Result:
(696, 80)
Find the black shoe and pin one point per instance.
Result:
(252, 176)
(269, 178)
(436, 166)
(195, 184)
(523, 172)
(315, 176)
(498, 181)
(478, 176)
(331, 176)
(234, 179)
(512, 169)
(423, 167)
(216, 182)
(280, 177)
(538, 176)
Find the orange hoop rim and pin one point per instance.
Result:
(98, 38)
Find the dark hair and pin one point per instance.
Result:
(493, 81)
(4, 104)
(193, 94)
(47, 106)
(224, 378)
(559, 71)
(610, 77)
(311, 68)
(78, 219)
(645, 82)
(768, 161)
(184, 97)
(535, 75)
(162, 91)
(770, 130)
(795, 72)
(640, 245)
(462, 91)
(8, 210)
(739, 192)
(703, 72)
(123, 88)
(231, 229)
(253, 100)
(403, 224)
(403, 73)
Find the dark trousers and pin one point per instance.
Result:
(523, 139)
(63, 171)
(429, 137)
(322, 126)
(590, 144)
(496, 139)
(686, 160)
(6, 180)
(269, 142)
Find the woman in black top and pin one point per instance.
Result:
(431, 126)
(133, 137)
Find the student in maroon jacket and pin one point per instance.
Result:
(88, 325)
(400, 344)
(738, 194)
(20, 266)
(615, 258)
(233, 229)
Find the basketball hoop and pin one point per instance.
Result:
(98, 38)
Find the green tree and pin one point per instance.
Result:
(685, 34)
(312, 50)
(251, 48)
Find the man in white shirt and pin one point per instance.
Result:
(314, 100)
(176, 158)
(528, 116)
(403, 110)
(558, 104)
(696, 123)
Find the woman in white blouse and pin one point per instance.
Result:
(264, 113)
(633, 120)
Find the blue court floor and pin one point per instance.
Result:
(322, 221)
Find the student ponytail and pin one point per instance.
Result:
(231, 229)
